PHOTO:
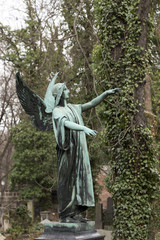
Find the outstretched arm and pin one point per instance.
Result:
(98, 99)
(77, 127)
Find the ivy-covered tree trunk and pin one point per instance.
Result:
(123, 55)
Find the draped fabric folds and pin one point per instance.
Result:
(75, 187)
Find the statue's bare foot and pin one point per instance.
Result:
(69, 220)
(80, 218)
(74, 219)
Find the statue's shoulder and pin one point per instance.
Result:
(58, 112)
(77, 107)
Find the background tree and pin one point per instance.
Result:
(78, 16)
(37, 53)
(8, 118)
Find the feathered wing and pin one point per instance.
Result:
(33, 106)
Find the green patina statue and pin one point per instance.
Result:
(75, 187)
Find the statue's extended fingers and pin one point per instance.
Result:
(91, 133)
(94, 133)
(118, 89)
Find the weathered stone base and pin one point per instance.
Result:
(70, 231)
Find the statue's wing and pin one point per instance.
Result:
(49, 99)
(33, 106)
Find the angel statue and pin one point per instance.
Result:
(75, 187)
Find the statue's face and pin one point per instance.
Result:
(65, 94)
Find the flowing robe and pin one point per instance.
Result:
(75, 187)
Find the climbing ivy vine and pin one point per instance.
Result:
(121, 58)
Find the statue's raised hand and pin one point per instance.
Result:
(89, 131)
(112, 91)
(117, 90)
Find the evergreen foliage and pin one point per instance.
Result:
(21, 221)
(122, 55)
(22, 224)
(34, 173)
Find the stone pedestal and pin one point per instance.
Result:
(70, 231)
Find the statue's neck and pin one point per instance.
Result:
(63, 102)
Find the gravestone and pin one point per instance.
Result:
(6, 224)
(30, 207)
(109, 213)
(44, 215)
(99, 216)
(8, 200)
(2, 237)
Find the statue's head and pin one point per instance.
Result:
(54, 94)
(57, 92)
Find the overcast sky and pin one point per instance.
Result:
(11, 13)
